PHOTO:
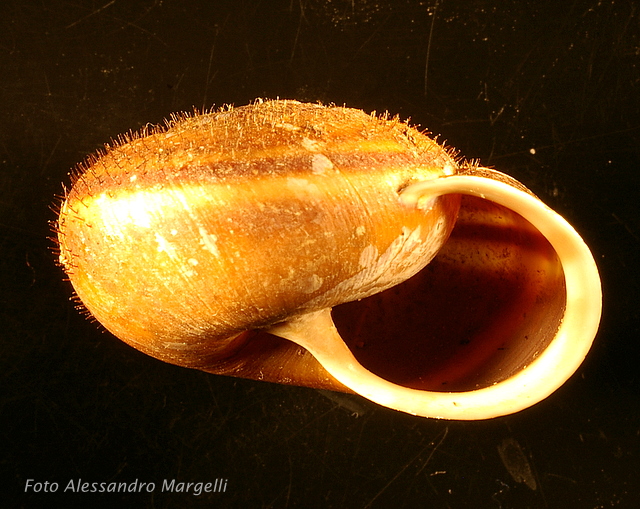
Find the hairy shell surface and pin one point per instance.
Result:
(223, 241)
(182, 238)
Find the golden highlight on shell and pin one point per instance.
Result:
(321, 246)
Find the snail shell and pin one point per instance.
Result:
(180, 239)
(200, 242)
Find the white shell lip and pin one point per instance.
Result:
(533, 383)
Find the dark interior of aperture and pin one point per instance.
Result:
(463, 323)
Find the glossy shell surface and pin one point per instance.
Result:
(179, 239)
(325, 247)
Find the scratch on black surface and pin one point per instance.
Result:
(92, 13)
(403, 469)
(426, 63)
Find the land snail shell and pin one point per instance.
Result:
(208, 241)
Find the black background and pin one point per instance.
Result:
(546, 91)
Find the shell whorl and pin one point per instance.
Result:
(179, 239)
